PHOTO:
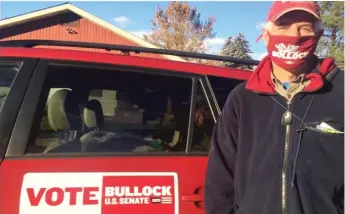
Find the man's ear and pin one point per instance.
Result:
(265, 37)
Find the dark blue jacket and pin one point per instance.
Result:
(255, 167)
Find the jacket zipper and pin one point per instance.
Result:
(287, 121)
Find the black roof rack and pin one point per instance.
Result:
(124, 48)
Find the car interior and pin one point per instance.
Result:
(88, 109)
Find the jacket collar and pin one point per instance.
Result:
(260, 81)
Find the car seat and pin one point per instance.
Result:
(94, 122)
(93, 115)
(98, 140)
(64, 115)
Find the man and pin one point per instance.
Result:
(278, 146)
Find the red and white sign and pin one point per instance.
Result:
(99, 193)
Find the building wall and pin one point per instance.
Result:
(67, 27)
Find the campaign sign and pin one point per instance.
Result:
(145, 193)
(99, 193)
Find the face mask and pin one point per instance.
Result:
(289, 52)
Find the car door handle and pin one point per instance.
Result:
(196, 197)
(193, 198)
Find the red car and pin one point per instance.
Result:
(101, 133)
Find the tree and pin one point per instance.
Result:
(332, 42)
(212, 62)
(237, 47)
(179, 28)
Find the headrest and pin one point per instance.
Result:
(93, 114)
(63, 111)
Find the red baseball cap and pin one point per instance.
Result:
(279, 8)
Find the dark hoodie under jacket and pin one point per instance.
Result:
(259, 164)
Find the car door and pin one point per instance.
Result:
(15, 75)
(52, 171)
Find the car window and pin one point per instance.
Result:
(8, 72)
(221, 87)
(94, 110)
(203, 125)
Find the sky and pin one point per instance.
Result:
(232, 17)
